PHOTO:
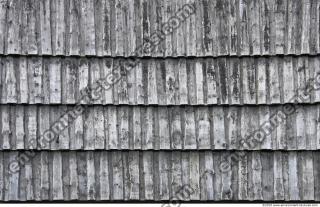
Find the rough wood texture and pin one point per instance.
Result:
(181, 81)
(116, 28)
(161, 128)
(133, 175)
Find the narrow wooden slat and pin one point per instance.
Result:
(35, 80)
(265, 18)
(273, 83)
(301, 134)
(74, 28)
(164, 170)
(278, 176)
(3, 14)
(190, 141)
(264, 117)
(44, 176)
(147, 175)
(316, 175)
(203, 128)
(279, 17)
(223, 81)
(288, 80)
(200, 82)
(22, 80)
(211, 75)
(104, 176)
(176, 131)
(267, 176)
(164, 133)
(64, 138)
(147, 129)
(83, 80)
(133, 162)
(256, 175)
(82, 175)
(55, 81)
(57, 187)
(191, 81)
(232, 125)
(243, 27)
(69, 81)
(254, 35)
(99, 135)
(219, 137)
(152, 83)
(307, 181)
(13, 41)
(9, 90)
(58, 27)
(233, 26)
(95, 75)
(113, 132)
(194, 175)
(124, 133)
(234, 74)
(249, 81)
(87, 29)
(226, 176)
(88, 128)
(311, 128)
(45, 28)
(91, 188)
(31, 126)
(262, 90)
(76, 132)
(305, 35)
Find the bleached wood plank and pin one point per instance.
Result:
(194, 175)
(232, 125)
(88, 128)
(256, 175)
(76, 131)
(57, 187)
(254, 27)
(262, 89)
(13, 191)
(19, 130)
(55, 81)
(211, 75)
(249, 81)
(316, 171)
(311, 128)
(226, 176)
(267, 176)
(233, 26)
(176, 131)
(74, 28)
(44, 175)
(147, 176)
(3, 14)
(164, 133)
(147, 129)
(137, 128)
(69, 81)
(134, 162)
(152, 83)
(32, 127)
(124, 132)
(203, 128)
(243, 27)
(113, 131)
(305, 34)
(64, 138)
(183, 84)
(199, 82)
(87, 29)
(95, 75)
(82, 175)
(265, 18)
(91, 188)
(288, 80)
(190, 141)
(279, 11)
(264, 118)
(140, 83)
(9, 89)
(73, 182)
(35, 73)
(45, 28)
(223, 81)
(219, 137)
(170, 82)
(234, 80)
(301, 134)
(307, 175)
(44, 125)
(164, 177)
(278, 176)
(217, 183)
(83, 81)
(274, 84)
(58, 27)
(11, 33)
(22, 80)
(191, 82)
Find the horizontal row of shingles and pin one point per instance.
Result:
(119, 27)
(161, 176)
(157, 128)
(181, 81)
